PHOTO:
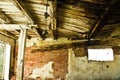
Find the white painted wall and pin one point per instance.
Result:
(79, 68)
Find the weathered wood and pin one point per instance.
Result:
(53, 14)
(14, 26)
(100, 24)
(22, 7)
(68, 32)
(73, 21)
(68, 44)
(80, 9)
(36, 31)
(21, 53)
(75, 14)
(4, 18)
(73, 27)
(36, 1)
(19, 4)
(8, 34)
(6, 39)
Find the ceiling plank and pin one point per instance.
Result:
(19, 4)
(4, 18)
(100, 24)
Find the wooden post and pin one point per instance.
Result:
(71, 63)
(21, 53)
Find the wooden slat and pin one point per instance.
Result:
(19, 4)
(76, 15)
(100, 24)
(68, 32)
(4, 18)
(76, 28)
(22, 7)
(8, 34)
(77, 22)
(81, 9)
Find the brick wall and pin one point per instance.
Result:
(38, 59)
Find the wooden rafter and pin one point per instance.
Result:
(21, 6)
(53, 13)
(68, 44)
(100, 24)
(53, 22)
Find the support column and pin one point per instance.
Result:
(71, 58)
(71, 64)
(21, 53)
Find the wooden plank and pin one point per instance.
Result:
(102, 2)
(67, 44)
(76, 15)
(22, 7)
(100, 24)
(36, 32)
(19, 4)
(74, 21)
(21, 53)
(8, 34)
(14, 26)
(68, 32)
(4, 18)
(73, 27)
(53, 14)
(81, 9)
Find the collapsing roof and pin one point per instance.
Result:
(72, 19)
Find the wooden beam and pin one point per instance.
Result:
(14, 26)
(67, 44)
(21, 53)
(53, 20)
(4, 18)
(100, 24)
(53, 14)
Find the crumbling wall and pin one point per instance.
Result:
(45, 72)
(79, 68)
(39, 60)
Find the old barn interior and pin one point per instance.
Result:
(59, 39)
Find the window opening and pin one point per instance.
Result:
(2, 51)
(100, 54)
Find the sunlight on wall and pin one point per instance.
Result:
(100, 54)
